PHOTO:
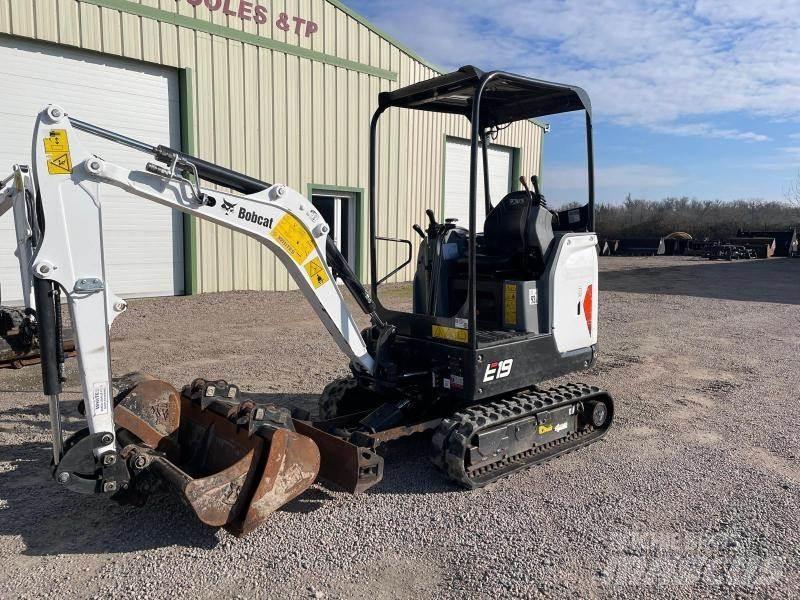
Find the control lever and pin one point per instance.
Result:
(431, 217)
(535, 182)
(524, 183)
(419, 231)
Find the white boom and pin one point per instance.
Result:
(70, 252)
(17, 193)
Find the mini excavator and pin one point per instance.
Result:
(498, 308)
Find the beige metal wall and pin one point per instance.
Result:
(277, 115)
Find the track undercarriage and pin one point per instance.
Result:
(477, 445)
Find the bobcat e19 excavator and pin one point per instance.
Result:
(498, 307)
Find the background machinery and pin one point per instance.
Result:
(498, 307)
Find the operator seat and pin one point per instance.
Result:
(516, 232)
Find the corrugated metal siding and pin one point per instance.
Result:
(281, 117)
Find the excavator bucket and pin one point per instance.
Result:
(233, 462)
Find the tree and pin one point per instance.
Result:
(711, 219)
(793, 193)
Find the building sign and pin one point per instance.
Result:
(251, 10)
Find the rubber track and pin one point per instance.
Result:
(331, 398)
(453, 438)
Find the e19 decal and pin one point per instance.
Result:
(498, 370)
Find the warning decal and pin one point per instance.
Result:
(316, 272)
(510, 304)
(100, 399)
(293, 238)
(56, 147)
(450, 334)
(59, 164)
(57, 142)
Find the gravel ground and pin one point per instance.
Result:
(694, 492)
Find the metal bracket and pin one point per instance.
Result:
(89, 285)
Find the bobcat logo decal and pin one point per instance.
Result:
(228, 207)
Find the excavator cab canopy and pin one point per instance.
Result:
(505, 98)
(489, 100)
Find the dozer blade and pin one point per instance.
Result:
(351, 468)
(233, 462)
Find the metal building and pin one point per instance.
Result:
(282, 90)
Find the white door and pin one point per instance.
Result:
(456, 180)
(143, 240)
(338, 210)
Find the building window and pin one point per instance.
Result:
(339, 211)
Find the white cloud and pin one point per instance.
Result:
(661, 64)
(708, 130)
(785, 159)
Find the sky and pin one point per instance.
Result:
(696, 98)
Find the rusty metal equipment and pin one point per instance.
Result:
(19, 344)
(232, 460)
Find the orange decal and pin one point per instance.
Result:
(587, 308)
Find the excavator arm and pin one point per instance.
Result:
(64, 255)
(71, 250)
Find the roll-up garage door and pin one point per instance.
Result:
(143, 240)
(456, 182)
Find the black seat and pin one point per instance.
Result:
(517, 230)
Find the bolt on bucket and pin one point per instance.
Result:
(232, 462)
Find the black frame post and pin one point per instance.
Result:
(590, 167)
(373, 195)
(472, 284)
(487, 200)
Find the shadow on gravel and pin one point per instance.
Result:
(774, 280)
(16, 416)
(51, 520)
(408, 470)
(312, 499)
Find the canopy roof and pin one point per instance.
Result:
(507, 97)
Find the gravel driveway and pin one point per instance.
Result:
(694, 492)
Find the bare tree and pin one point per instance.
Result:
(712, 219)
(793, 193)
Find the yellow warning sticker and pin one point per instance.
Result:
(56, 142)
(545, 429)
(316, 272)
(293, 238)
(56, 147)
(59, 164)
(510, 303)
(450, 334)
